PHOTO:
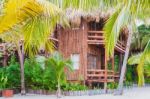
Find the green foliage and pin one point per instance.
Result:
(3, 79)
(140, 38)
(131, 75)
(33, 21)
(37, 77)
(73, 87)
(33, 74)
(112, 85)
(116, 63)
(12, 73)
(58, 65)
(143, 29)
(127, 83)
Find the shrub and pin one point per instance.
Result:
(73, 87)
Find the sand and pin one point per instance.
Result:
(132, 93)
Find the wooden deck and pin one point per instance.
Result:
(97, 37)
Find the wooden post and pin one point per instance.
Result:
(105, 82)
(85, 46)
(113, 66)
(120, 62)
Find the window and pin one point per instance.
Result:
(75, 59)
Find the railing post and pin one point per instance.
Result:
(105, 81)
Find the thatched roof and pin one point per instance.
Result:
(74, 16)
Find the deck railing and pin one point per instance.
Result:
(97, 37)
(98, 75)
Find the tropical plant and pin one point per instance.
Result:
(123, 16)
(144, 69)
(3, 80)
(58, 64)
(140, 38)
(32, 24)
(73, 87)
(141, 59)
(112, 85)
(13, 73)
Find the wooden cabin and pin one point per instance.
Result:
(85, 46)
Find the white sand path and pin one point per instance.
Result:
(134, 93)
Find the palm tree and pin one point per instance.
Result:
(126, 15)
(58, 64)
(29, 23)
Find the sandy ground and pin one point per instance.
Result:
(134, 93)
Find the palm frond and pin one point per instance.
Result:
(134, 59)
(16, 11)
(112, 28)
(140, 67)
(37, 20)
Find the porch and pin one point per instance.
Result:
(100, 68)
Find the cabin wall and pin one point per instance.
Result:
(74, 42)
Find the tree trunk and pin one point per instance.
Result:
(20, 54)
(5, 57)
(123, 69)
(58, 90)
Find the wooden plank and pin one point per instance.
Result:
(119, 49)
(95, 75)
(119, 42)
(101, 80)
(120, 46)
(101, 32)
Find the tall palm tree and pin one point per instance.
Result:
(127, 13)
(29, 23)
